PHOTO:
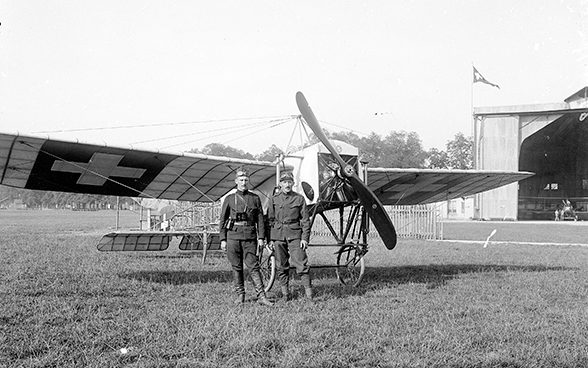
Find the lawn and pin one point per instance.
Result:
(564, 232)
(423, 304)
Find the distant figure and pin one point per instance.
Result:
(567, 212)
(242, 230)
(290, 233)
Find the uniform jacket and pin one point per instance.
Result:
(242, 202)
(288, 217)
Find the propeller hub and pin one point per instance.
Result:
(348, 170)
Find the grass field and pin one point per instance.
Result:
(423, 304)
(554, 232)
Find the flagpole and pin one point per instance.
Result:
(477, 212)
(473, 133)
(473, 128)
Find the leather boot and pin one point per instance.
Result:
(265, 301)
(239, 285)
(305, 278)
(259, 289)
(286, 296)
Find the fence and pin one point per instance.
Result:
(191, 215)
(422, 221)
(416, 222)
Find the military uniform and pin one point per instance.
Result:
(241, 225)
(290, 224)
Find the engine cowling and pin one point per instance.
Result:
(319, 177)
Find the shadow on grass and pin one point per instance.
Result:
(437, 275)
(210, 255)
(206, 276)
(180, 277)
(433, 276)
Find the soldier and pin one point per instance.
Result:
(290, 233)
(242, 230)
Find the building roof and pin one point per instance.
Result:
(577, 101)
(580, 97)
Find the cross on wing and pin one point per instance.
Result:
(97, 171)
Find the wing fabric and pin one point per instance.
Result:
(420, 186)
(43, 163)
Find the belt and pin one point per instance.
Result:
(289, 221)
(244, 223)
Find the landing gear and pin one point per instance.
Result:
(267, 264)
(350, 265)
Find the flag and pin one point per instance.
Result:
(479, 78)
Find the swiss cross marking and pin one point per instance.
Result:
(97, 171)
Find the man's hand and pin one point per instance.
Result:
(270, 246)
(303, 244)
(224, 245)
(260, 245)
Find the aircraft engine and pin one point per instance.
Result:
(319, 177)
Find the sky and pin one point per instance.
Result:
(177, 75)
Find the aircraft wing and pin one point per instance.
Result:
(43, 163)
(420, 186)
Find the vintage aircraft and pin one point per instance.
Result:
(329, 174)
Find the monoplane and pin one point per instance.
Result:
(329, 174)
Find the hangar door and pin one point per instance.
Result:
(558, 155)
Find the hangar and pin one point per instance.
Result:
(550, 140)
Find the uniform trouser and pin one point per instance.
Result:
(244, 251)
(286, 250)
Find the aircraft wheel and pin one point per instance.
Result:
(350, 266)
(267, 264)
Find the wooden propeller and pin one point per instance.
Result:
(368, 199)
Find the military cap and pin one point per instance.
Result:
(287, 176)
(241, 172)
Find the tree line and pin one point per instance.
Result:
(40, 199)
(397, 149)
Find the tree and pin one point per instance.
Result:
(218, 149)
(436, 159)
(31, 198)
(60, 200)
(269, 154)
(460, 152)
(370, 149)
(347, 137)
(404, 150)
(397, 149)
